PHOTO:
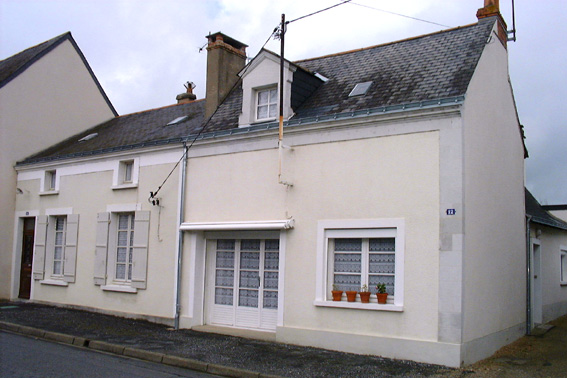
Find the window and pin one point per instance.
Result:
(126, 174)
(59, 245)
(122, 250)
(352, 253)
(267, 104)
(563, 265)
(125, 239)
(362, 261)
(56, 249)
(127, 171)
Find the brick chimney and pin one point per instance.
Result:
(492, 8)
(188, 96)
(225, 58)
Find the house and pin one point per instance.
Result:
(47, 93)
(400, 164)
(547, 259)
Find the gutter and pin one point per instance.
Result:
(180, 237)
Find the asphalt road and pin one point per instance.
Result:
(24, 357)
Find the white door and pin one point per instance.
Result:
(242, 283)
(536, 295)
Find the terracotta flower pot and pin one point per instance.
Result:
(337, 295)
(351, 295)
(365, 296)
(382, 298)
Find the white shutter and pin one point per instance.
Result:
(71, 237)
(101, 250)
(39, 250)
(140, 249)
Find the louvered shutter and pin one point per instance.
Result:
(71, 237)
(39, 250)
(140, 249)
(101, 249)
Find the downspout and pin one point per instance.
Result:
(528, 274)
(180, 241)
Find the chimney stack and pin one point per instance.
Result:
(187, 97)
(492, 8)
(225, 58)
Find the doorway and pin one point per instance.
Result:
(242, 283)
(27, 257)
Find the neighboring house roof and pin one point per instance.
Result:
(13, 66)
(539, 215)
(137, 130)
(554, 207)
(427, 70)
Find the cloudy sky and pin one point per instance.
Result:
(142, 51)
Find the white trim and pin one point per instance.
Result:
(236, 226)
(120, 288)
(118, 174)
(384, 227)
(49, 193)
(59, 211)
(123, 207)
(562, 272)
(53, 282)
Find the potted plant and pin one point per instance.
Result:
(364, 294)
(351, 295)
(381, 293)
(337, 294)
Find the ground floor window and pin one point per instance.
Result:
(352, 254)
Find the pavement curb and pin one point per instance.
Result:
(141, 354)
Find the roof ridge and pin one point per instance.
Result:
(386, 44)
(158, 108)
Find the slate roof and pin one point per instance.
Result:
(432, 67)
(429, 67)
(539, 215)
(13, 66)
(137, 130)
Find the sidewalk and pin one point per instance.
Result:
(217, 354)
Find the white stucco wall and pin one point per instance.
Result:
(394, 176)
(494, 237)
(53, 99)
(553, 292)
(86, 189)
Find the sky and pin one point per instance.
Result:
(143, 51)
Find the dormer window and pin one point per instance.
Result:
(266, 104)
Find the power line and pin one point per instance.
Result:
(401, 15)
(319, 11)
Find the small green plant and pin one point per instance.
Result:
(364, 288)
(335, 287)
(381, 288)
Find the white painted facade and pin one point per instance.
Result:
(28, 123)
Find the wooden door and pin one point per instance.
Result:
(27, 257)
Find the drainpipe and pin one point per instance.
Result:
(180, 242)
(528, 273)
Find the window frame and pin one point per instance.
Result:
(50, 183)
(563, 266)
(363, 229)
(269, 104)
(120, 179)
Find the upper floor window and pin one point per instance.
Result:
(126, 174)
(267, 104)
(563, 265)
(127, 167)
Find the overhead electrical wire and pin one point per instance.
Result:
(275, 33)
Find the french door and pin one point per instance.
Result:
(242, 282)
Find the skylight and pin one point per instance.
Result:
(88, 137)
(321, 77)
(360, 89)
(178, 120)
